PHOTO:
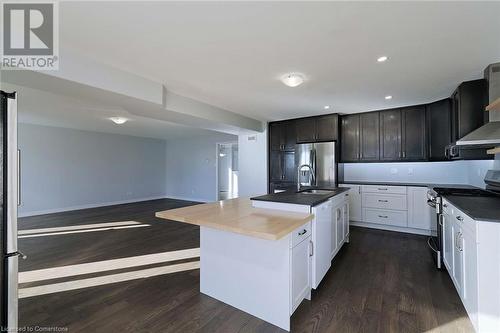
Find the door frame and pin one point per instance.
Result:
(217, 144)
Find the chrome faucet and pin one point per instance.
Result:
(311, 175)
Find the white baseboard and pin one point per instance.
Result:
(391, 228)
(180, 197)
(102, 204)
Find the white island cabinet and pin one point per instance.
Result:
(472, 258)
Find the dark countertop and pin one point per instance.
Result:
(292, 197)
(430, 185)
(478, 208)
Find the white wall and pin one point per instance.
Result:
(453, 172)
(65, 169)
(191, 167)
(252, 164)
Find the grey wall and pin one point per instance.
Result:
(191, 167)
(252, 161)
(64, 169)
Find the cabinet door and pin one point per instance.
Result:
(349, 138)
(333, 229)
(469, 290)
(413, 133)
(340, 225)
(390, 135)
(327, 128)
(355, 211)
(289, 171)
(457, 257)
(275, 168)
(275, 136)
(419, 212)
(447, 242)
(439, 129)
(306, 130)
(345, 219)
(472, 97)
(322, 241)
(301, 272)
(369, 136)
(289, 135)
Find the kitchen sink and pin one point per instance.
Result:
(315, 191)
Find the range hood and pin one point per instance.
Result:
(487, 135)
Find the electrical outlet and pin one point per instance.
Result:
(394, 171)
(410, 171)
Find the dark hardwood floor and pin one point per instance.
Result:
(380, 282)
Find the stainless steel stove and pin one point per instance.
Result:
(434, 199)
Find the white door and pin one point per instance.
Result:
(340, 225)
(345, 219)
(447, 242)
(301, 272)
(333, 228)
(469, 290)
(457, 257)
(419, 212)
(355, 211)
(322, 240)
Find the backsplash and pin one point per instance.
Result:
(453, 172)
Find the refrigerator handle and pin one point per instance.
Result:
(19, 177)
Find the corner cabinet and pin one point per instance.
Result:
(472, 259)
(438, 129)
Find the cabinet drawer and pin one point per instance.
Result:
(301, 233)
(372, 200)
(388, 217)
(384, 189)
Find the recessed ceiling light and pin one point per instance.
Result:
(118, 120)
(382, 59)
(326, 107)
(388, 97)
(292, 79)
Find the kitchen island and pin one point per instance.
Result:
(258, 260)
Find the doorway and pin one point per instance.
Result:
(227, 170)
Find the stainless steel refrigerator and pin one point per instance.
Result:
(320, 159)
(9, 202)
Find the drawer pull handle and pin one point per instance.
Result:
(383, 216)
(383, 201)
(382, 189)
(460, 218)
(445, 205)
(302, 232)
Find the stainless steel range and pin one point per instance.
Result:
(434, 199)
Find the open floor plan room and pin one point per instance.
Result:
(259, 166)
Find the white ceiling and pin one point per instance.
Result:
(44, 108)
(231, 54)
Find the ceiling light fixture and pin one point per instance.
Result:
(326, 107)
(292, 79)
(388, 97)
(382, 59)
(118, 120)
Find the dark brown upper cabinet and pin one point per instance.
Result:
(468, 108)
(390, 135)
(413, 133)
(369, 136)
(317, 129)
(438, 129)
(282, 136)
(349, 140)
(282, 166)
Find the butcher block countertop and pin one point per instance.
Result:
(238, 216)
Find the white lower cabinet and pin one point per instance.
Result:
(355, 210)
(447, 231)
(322, 240)
(301, 272)
(398, 208)
(472, 258)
